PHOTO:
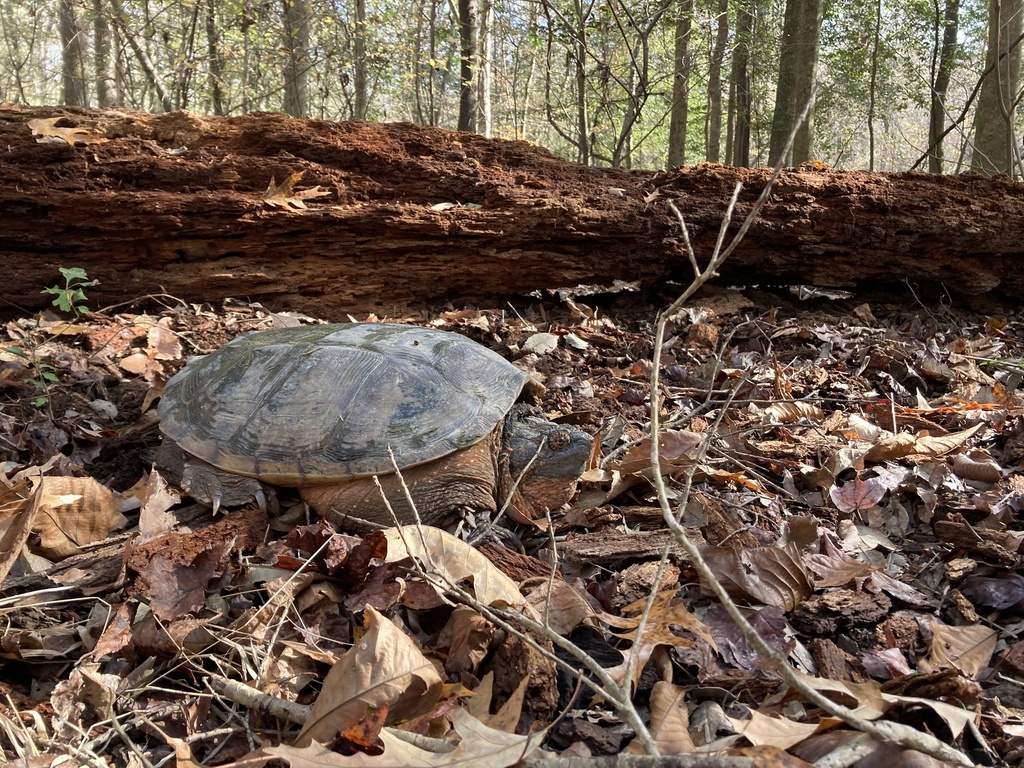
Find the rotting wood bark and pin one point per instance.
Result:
(144, 218)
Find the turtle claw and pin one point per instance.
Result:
(215, 501)
(261, 499)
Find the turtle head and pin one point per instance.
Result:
(549, 458)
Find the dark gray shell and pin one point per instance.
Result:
(323, 403)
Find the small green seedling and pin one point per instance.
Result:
(71, 298)
(45, 375)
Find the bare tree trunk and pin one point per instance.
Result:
(714, 139)
(940, 78)
(872, 90)
(582, 113)
(680, 87)
(359, 55)
(72, 40)
(468, 64)
(141, 56)
(215, 55)
(296, 45)
(102, 66)
(485, 47)
(994, 145)
(740, 78)
(798, 63)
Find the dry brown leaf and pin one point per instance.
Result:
(480, 746)
(788, 413)
(892, 447)
(677, 449)
(155, 498)
(385, 667)
(771, 575)
(47, 130)
(835, 568)
(507, 717)
(937, 446)
(142, 365)
(658, 631)
(466, 639)
(73, 512)
(19, 505)
(163, 344)
(177, 588)
(283, 195)
(779, 732)
(858, 494)
(670, 721)
(452, 561)
(479, 704)
(977, 466)
(967, 648)
(559, 605)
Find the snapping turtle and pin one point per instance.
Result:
(324, 408)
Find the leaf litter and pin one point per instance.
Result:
(852, 478)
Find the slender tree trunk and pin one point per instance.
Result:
(485, 46)
(296, 67)
(740, 77)
(72, 40)
(940, 78)
(359, 56)
(432, 108)
(994, 144)
(468, 64)
(141, 56)
(873, 88)
(714, 140)
(102, 65)
(582, 113)
(679, 114)
(215, 56)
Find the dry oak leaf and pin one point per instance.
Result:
(480, 746)
(283, 195)
(48, 132)
(658, 630)
(968, 649)
(449, 561)
(385, 667)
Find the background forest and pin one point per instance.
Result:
(927, 84)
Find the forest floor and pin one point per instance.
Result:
(855, 479)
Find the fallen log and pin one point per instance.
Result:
(413, 215)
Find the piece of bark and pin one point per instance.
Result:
(174, 203)
(612, 546)
(998, 546)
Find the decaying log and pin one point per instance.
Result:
(174, 203)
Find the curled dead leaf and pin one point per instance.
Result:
(787, 413)
(978, 467)
(73, 512)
